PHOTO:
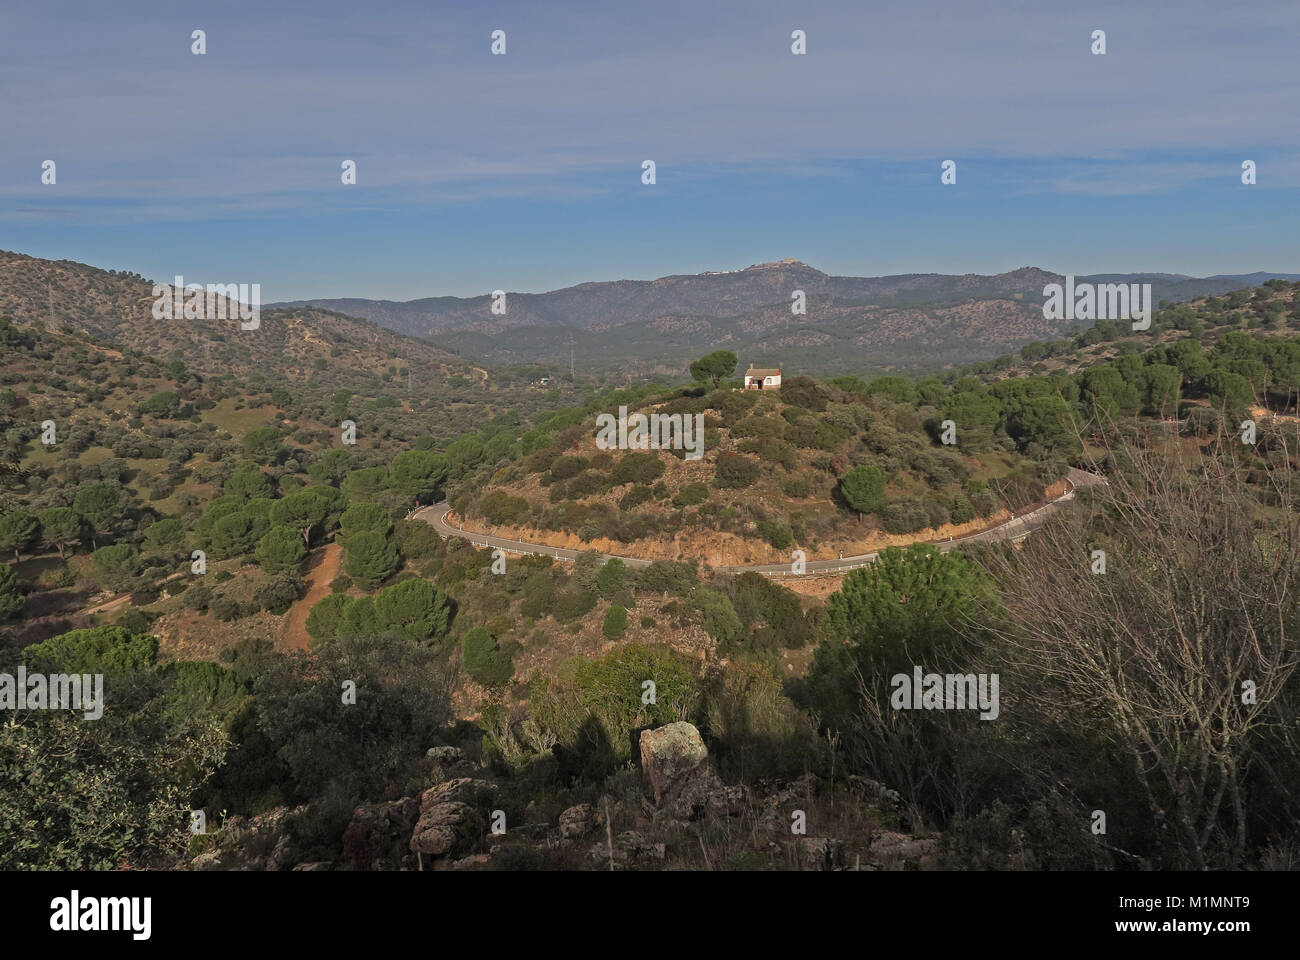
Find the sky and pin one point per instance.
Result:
(523, 171)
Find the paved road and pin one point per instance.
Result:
(1016, 528)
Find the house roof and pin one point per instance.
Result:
(759, 372)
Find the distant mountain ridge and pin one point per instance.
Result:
(903, 320)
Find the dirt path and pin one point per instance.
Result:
(324, 568)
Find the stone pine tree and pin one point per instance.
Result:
(714, 367)
(863, 488)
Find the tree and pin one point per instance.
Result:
(237, 533)
(615, 624)
(417, 474)
(11, 601)
(303, 509)
(280, 550)
(611, 578)
(263, 444)
(248, 481)
(325, 616)
(60, 526)
(714, 367)
(361, 749)
(1166, 684)
(100, 504)
(371, 558)
(863, 488)
(168, 532)
(364, 516)
(110, 650)
(163, 404)
(116, 565)
(17, 531)
(413, 608)
(483, 660)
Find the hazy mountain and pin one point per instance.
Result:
(907, 320)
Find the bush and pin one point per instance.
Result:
(638, 495)
(615, 624)
(277, 595)
(572, 604)
(776, 533)
(904, 515)
(224, 608)
(483, 660)
(736, 471)
(796, 487)
(642, 468)
(691, 495)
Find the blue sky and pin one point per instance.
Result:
(522, 171)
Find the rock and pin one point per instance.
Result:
(817, 853)
(577, 821)
(893, 851)
(669, 755)
(314, 865)
(473, 862)
(445, 755)
(378, 833)
(445, 827)
(701, 792)
(447, 822)
(629, 847)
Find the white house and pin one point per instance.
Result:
(756, 379)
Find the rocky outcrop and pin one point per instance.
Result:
(577, 821)
(681, 778)
(629, 847)
(378, 836)
(451, 818)
(669, 755)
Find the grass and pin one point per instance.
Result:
(238, 422)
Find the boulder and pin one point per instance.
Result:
(577, 821)
(445, 755)
(450, 820)
(629, 847)
(378, 833)
(669, 755)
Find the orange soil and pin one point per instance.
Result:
(324, 568)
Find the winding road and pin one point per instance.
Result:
(1017, 528)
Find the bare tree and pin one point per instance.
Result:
(1179, 659)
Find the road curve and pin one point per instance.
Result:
(1017, 528)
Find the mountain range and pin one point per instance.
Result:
(921, 320)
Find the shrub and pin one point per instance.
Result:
(277, 595)
(691, 495)
(638, 495)
(224, 608)
(643, 468)
(615, 624)
(499, 507)
(572, 604)
(736, 471)
(483, 660)
(776, 533)
(904, 515)
(796, 487)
